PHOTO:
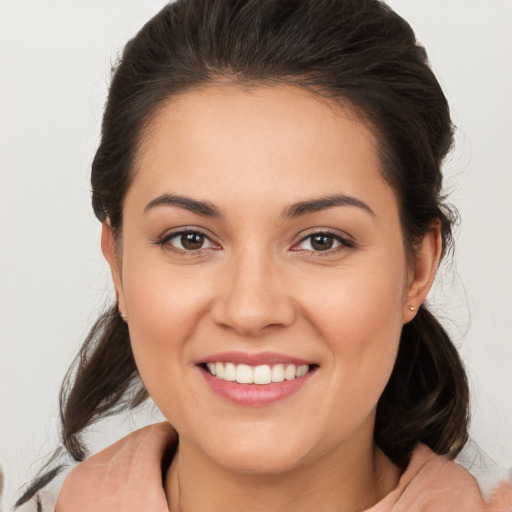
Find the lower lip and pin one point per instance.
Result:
(255, 394)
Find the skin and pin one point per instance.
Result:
(259, 285)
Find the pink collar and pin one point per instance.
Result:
(127, 477)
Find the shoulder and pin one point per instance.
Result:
(434, 482)
(113, 478)
(494, 482)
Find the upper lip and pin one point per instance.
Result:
(255, 359)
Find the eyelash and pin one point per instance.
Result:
(165, 242)
(344, 243)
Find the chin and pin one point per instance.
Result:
(257, 449)
(257, 460)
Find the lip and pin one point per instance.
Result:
(254, 395)
(254, 359)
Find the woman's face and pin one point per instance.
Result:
(260, 242)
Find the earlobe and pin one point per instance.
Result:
(426, 259)
(108, 247)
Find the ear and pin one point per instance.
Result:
(422, 275)
(108, 247)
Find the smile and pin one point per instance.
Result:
(257, 379)
(261, 374)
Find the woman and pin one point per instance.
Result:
(270, 191)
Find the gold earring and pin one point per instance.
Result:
(412, 308)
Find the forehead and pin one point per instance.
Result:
(260, 144)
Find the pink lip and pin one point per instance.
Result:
(254, 395)
(253, 359)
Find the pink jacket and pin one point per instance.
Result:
(127, 477)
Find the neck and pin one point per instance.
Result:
(344, 480)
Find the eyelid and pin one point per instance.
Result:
(345, 240)
(165, 238)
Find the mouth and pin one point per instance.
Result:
(261, 375)
(256, 379)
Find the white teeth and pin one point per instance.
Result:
(261, 374)
(230, 372)
(219, 370)
(278, 373)
(301, 370)
(244, 374)
(289, 373)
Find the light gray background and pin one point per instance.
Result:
(55, 58)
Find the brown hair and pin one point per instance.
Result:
(359, 52)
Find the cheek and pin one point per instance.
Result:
(165, 310)
(159, 296)
(361, 321)
(358, 305)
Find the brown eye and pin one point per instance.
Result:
(322, 242)
(187, 241)
(192, 241)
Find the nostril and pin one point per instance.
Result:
(252, 316)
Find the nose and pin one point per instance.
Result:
(252, 296)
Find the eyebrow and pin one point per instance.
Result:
(293, 211)
(323, 203)
(200, 207)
